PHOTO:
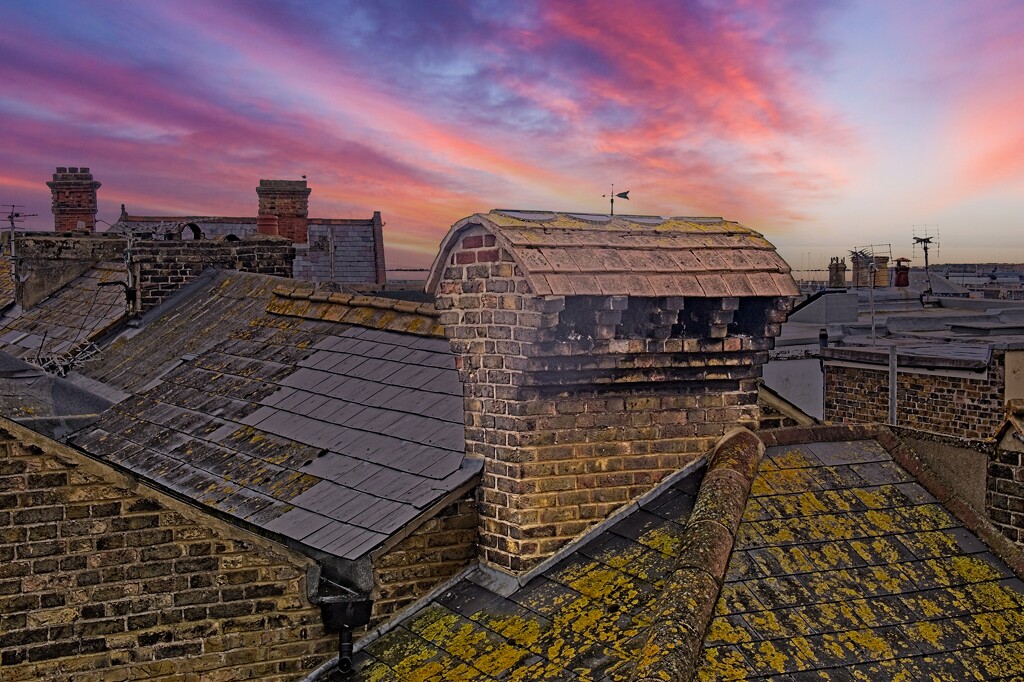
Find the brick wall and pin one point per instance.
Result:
(1004, 498)
(73, 199)
(161, 267)
(164, 267)
(289, 201)
(102, 578)
(435, 552)
(577, 405)
(963, 407)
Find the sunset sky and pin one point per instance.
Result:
(826, 126)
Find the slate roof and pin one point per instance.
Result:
(844, 567)
(332, 435)
(585, 254)
(911, 353)
(74, 316)
(44, 402)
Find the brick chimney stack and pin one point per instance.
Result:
(289, 201)
(598, 355)
(74, 199)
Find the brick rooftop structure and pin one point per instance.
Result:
(342, 250)
(598, 356)
(74, 199)
(536, 475)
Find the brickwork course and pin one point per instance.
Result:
(162, 268)
(73, 193)
(346, 250)
(953, 404)
(583, 391)
(103, 578)
(1004, 496)
(434, 553)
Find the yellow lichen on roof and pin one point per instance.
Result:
(375, 312)
(849, 567)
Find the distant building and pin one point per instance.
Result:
(348, 251)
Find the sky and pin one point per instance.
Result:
(826, 126)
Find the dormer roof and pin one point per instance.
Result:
(579, 254)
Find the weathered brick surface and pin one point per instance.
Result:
(161, 267)
(164, 267)
(578, 405)
(962, 407)
(102, 578)
(73, 195)
(435, 552)
(1004, 499)
(289, 201)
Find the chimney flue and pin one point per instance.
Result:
(74, 204)
(288, 201)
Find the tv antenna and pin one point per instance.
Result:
(13, 218)
(611, 197)
(929, 235)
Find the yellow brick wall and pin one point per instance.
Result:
(103, 578)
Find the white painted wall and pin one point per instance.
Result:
(801, 382)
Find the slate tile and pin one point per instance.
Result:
(879, 473)
(770, 658)
(650, 530)
(448, 408)
(792, 457)
(441, 466)
(779, 592)
(723, 662)
(672, 505)
(630, 557)
(380, 509)
(788, 505)
(725, 630)
(737, 598)
(954, 571)
(927, 517)
(849, 452)
(544, 596)
(297, 523)
(447, 435)
(915, 493)
(378, 370)
(940, 543)
(778, 561)
(747, 537)
(881, 550)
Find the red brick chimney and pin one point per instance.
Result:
(289, 201)
(598, 355)
(74, 199)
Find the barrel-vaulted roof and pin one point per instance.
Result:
(567, 254)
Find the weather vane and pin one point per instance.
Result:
(611, 196)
